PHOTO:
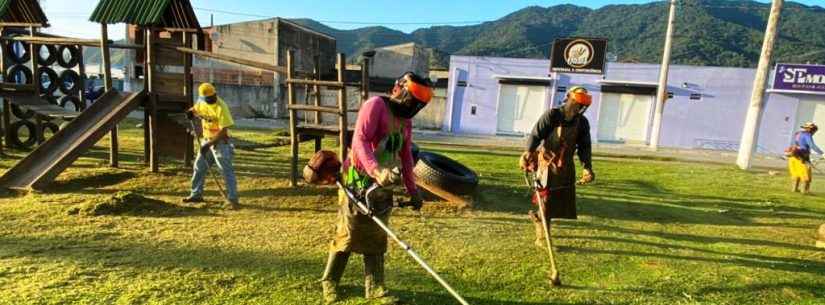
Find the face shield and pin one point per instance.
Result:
(581, 97)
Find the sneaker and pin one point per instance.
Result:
(330, 291)
(192, 199)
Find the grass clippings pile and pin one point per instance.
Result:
(126, 203)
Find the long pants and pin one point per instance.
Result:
(220, 154)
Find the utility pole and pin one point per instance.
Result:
(750, 133)
(661, 93)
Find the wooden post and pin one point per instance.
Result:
(342, 108)
(106, 62)
(81, 69)
(365, 80)
(146, 101)
(188, 84)
(318, 117)
(293, 128)
(33, 49)
(153, 101)
(4, 126)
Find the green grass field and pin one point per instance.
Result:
(649, 232)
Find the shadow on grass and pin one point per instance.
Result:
(96, 181)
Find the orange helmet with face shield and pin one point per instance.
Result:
(580, 95)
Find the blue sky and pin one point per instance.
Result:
(69, 17)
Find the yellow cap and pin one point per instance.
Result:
(206, 90)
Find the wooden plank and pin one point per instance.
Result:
(167, 55)
(342, 108)
(308, 82)
(20, 24)
(365, 80)
(293, 119)
(168, 83)
(444, 194)
(4, 123)
(234, 60)
(318, 109)
(153, 101)
(13, 90)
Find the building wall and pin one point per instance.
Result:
(714, 122)
(393, 61)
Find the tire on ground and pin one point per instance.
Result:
(52, 78)
(445, 173)
(74, 56)
(73, 100)
(69, 82)
(50, 59)
(16, 127)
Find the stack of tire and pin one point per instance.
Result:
(444, 173)
(62, 89)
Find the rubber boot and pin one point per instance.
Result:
(336, 264)
(374, 279)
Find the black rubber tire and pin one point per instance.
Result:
(18, 58)
(73, 100)
(445, 173)
(15, 134)
(13, 72)
(50, 98)
(53, 80)
(52, 129)
(73, 58)
(69, 76)
(49, 60)
(20, 113)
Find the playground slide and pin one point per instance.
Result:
(52, 157)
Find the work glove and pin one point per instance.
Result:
(587, 177)
(385, 177)
(528, 161)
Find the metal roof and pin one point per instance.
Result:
(22, 12)
(165, 13)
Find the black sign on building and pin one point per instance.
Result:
(578, 55)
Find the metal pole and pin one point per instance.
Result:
(661, 94)
(750, 133)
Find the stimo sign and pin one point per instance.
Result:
(802, 78)
(578, 55)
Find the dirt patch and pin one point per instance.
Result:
(130, 204)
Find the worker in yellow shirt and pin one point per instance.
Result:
(215, 148)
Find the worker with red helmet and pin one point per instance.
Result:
(557, 136)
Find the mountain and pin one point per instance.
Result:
(707, 32)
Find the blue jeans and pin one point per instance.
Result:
(220, 154)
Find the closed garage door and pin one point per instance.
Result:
(812, 109)
(624, 118)
(519, 107)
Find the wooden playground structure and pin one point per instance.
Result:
(167, 31)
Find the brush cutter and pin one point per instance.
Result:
(365, 207)
(535, 186)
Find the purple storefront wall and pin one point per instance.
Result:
(714, 122)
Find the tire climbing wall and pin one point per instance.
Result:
(57, 79)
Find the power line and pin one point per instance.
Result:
(349, 22)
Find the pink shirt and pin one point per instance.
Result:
(372, 126)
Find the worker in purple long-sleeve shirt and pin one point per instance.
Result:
(799, 158)
(381, 148)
